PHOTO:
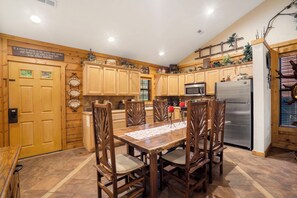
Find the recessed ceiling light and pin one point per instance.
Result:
(209, 11)
(35, 19)
(161, 53)
(111, 39)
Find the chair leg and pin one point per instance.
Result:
(210, 167)
(98, 188)
(144, 183)
(205, 180)
(222, 161)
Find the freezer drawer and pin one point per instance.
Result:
(238, 135)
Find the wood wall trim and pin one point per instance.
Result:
(72, 49)
(1, 98)
(261, 40)
(283, 44)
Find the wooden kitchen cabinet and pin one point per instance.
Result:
(211, 77)
(200, 77)
(162, 85)
(118, 120)
(123, 82)
(229, 71)
(189, 78)
(134, 83)
(176, 113)
(149, 116)
(92, 80)
(173, 85)
(244, 69)
(181, 85)
(109, 81)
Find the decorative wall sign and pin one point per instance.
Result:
(34, 53)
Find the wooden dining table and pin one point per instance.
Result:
(152, 146)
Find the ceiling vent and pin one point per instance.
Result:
(49, 2)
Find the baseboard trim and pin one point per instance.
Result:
(261, 154)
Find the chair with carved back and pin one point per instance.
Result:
(135, 113)
(216, 143)
(160, 110)
(114, 167)
(187, 162)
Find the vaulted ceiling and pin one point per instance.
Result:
(141, 28)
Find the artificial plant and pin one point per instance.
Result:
(227, 60)
(248, 53)
(232, 39)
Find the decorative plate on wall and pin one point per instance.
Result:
(74, 92)
(74, 104)
(74, 82)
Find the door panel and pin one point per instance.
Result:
(26, 99)
(35, 91)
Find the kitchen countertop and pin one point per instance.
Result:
(123, 110)
(118, 110)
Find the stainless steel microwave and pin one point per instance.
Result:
(195, 89)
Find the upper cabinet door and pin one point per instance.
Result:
(123, 82)
(181, 85)
(92, 80)
(134, 83)
(244, 69)
(162, 85)
(173, 85)
(229, 71)
(211, 77)
(109, 82)
(189, 78)
(200, 77)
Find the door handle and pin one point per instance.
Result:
(9, 79)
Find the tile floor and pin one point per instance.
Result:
(71, 174)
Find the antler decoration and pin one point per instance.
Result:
(290, 87)
(294, 14)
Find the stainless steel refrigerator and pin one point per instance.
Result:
(239, 111)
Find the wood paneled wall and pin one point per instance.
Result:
(72, 133)
(282, 137)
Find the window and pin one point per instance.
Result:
(145, 89)
(288, 113)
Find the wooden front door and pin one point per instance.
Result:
(35, 91)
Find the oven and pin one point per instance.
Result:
(195, 89)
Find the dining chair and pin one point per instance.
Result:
(160, 110)
(114, 167)
(187, 162)
(216, 143)
(135, 113)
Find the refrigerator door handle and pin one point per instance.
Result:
(228, 122)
